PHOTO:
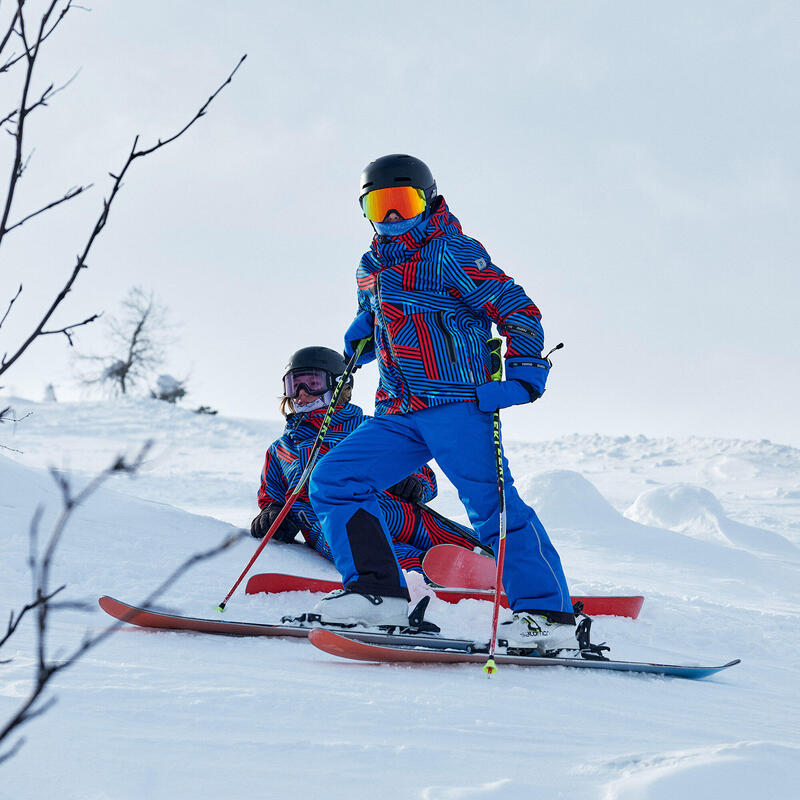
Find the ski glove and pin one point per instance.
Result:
(360, 328)
(409, 489)
(263, 522)
(530, 371)
(526, 375)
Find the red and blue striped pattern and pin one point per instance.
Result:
(434, 294)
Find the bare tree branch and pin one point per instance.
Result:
(7, 36)
(11, 303)
(7, 410)
(40, 563)
(40, 566)
(13, 751)
(196, 117)
(50, 92)
(15, 59)
(4, 417)
(197, 558)
(72, 193)
(67, 331)
(31, 52)
(8, 118)
(14, 621)
(102, 219)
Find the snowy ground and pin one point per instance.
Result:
(708, 530)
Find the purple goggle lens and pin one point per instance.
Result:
(314, 381)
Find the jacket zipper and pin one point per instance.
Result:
(448, 337)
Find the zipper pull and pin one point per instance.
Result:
(557, 347)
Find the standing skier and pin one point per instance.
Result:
(428, 295)
(308, 383)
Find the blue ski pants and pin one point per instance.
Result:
(384, 450)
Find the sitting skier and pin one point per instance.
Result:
(308, 386)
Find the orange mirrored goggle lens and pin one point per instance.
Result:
(405, 200)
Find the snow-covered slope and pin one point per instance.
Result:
(707, 529)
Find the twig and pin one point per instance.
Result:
(191, 122)
(67, 331)
(40, 571)
(8, 117)
(14, 621)
(5, 418)
(72, 193)
(11, 303)
(31, 52)
(100, 224)
(5, 411)
(88, 643)
(15, 59)
(7, 36)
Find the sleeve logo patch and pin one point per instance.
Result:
(481, 263)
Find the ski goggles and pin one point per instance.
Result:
(407, 201)
(315, 381)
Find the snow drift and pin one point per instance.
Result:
(697, 512)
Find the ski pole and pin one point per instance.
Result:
(495, 346)
(312, 458)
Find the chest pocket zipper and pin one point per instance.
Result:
(449, 342)
(514, 328)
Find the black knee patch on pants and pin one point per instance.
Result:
(373, 557)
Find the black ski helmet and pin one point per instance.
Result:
(397, 170)
(318, 358)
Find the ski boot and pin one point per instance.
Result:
(343, 608)
(530, 633)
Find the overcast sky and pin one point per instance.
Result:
(633, 165)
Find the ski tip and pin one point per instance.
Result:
(490, 667)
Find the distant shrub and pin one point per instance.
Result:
(169, 389)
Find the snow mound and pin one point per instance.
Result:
(744, 769)
(696, 512)
(584, 525)
(565, 499)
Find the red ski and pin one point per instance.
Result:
(450, 565)
(273, 582)
(460, 652)
(148, 618)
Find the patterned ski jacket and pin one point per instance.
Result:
(434, 294)
(413, 529)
